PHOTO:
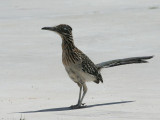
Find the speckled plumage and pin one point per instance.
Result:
(76, 62)
(79, 67)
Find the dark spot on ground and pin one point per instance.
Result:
(154, 7)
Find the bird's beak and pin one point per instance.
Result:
(49, 28)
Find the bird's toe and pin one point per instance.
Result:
(78, 106)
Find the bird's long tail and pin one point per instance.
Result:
(124, 61)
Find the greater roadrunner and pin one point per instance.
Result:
(79, 67)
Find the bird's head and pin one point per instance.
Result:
(62, 29)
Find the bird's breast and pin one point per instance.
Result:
(69, 58)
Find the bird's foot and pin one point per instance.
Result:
(78, 106)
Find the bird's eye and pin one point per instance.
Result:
(65, 29)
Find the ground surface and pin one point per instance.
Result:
(33, 80)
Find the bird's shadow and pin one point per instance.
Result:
(68, 108)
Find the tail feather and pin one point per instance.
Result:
(124, 61)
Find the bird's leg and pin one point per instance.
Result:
(79, 99)
(79, 95)
(84, 93)
(80, 105)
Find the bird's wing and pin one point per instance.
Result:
(124, 61)
(89, 67)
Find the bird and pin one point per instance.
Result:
(80, 67)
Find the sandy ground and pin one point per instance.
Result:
(33, 80)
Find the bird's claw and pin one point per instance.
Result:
(78, 106)
(83, 104)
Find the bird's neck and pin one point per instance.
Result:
(69, 56)
(67, 43)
